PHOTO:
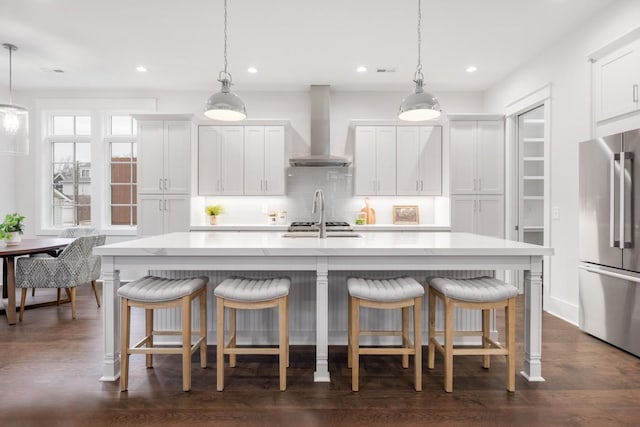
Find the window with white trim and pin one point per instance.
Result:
(70, 178)
(123, 159)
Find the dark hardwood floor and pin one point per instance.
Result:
(50, 365)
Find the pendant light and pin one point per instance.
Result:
(14, 119)
(225, 105)
(420, 105)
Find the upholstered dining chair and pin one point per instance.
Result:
(72, 233)
(75, 266)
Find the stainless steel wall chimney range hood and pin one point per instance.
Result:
(320, 132)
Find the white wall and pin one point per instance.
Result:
(564, 64)
(292, 106)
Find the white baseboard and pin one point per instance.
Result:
(563, 309)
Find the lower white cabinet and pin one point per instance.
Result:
(478, 214)
(159, 214)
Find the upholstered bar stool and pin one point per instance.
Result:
(251, 294)
(483, 293)
(401, 293)
(151, 293)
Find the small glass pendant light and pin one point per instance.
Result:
(14, 119)
(225, 105)
(420, 105)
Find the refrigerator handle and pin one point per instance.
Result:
(626, 179)
(612, 202)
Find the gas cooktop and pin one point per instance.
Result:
(311, 226)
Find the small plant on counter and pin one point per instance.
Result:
(213, 211)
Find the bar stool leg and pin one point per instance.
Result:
(203, 327)
(186, 343)
(220, 343)
(349, 327)
(486, 322)
(448, 344)
(417, 341)
(232, 336)
(148, 327)
(510, 320)
(286, 328)
(282, 347)
(355, 343)
(124, 344)
(431, 351)
(405, 335)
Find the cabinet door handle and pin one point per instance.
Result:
(159, 183)
(165, 204)
(480, 184)
(266, 185)
(166, 187)
(474, 184)
(421, 185)
(159, 205)
(635, 92)
(479, 205)
(416, 185)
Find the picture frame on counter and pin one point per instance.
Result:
(406, 214)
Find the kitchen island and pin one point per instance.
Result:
(373, 251)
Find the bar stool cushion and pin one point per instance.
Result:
(481, 289)
(158, 289)
(385, 290)
(253, 290)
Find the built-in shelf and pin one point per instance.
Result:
(533, 159)
(533, 139)
(533, 178)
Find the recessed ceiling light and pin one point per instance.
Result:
(361, 69)
(141, 69)
(471, 69)
(252, 70)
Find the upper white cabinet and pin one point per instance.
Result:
(617, 76)
(419, 160)
(164, 152)
(264, 160)
(220, 160)
(477, 157)
(375, 161)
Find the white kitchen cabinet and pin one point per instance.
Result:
(164, 156)
(478, 214)
(221, 160)
(264, 160)
(375, 161)
(419, 160)
(617, 76)
(477, 157)
(159, 214)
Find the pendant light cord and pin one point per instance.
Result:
(419, 69)
(225, 36)
(10, 79)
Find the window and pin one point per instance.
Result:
(71, 170)
(123, 171)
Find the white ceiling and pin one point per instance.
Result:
(293, 43)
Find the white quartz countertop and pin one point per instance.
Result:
(274, 244)
(280, 227)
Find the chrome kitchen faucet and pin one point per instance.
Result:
(318, 199)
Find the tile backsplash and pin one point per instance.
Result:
(301, 183)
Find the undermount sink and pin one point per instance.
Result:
(330, 234)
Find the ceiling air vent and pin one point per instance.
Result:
(386, 70)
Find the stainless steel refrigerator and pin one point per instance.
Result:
(610, 239)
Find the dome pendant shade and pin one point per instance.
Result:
(225, 105)
(420, 105)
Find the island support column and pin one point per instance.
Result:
(532, 369)
(322, 321)
(111, 324)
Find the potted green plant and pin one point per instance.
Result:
(12, 228)
(213, 211)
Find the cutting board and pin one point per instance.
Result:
(369, 212)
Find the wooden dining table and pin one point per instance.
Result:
(50, 246)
